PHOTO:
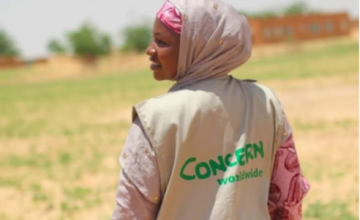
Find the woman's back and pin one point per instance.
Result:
(215, 144)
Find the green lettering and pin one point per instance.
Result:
(248, 150)
(260, 173)
(227, 161)
(259, 150)
(207, 170)
(256, 172)
(184, 176)
(217, 166)
(231, 179)
(240, 156)
(238, 178)
(222, 181)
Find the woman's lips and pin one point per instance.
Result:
(154, 66)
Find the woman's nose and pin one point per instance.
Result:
(150, 50)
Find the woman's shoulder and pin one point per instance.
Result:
(182, 96)
(256, 87)
(178, 101)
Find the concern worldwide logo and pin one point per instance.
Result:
(243, 155)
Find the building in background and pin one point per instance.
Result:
(13, 62)
(355, 26)
(299, 27)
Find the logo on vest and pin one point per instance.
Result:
(243, 156)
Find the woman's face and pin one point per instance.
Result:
(164, 52)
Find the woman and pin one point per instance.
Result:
(213, 147)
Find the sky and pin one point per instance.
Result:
(32, 23)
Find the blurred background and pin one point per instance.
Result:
(70, 72)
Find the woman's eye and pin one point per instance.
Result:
(160, 42)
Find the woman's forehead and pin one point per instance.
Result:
(160, 29)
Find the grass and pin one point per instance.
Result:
(324, 124)
(60, 139)
(326, 61)
(333, 210)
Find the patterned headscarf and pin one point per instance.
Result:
(171, 17)
(214, 38)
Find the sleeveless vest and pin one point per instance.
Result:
(215, 143)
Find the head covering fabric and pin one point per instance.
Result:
(215, 39)
(170, 16)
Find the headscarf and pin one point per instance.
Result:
(215, 39)
(171, 17)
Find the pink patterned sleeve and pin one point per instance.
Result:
(288, 186)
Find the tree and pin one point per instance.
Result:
(261, 14)
(106, 44)
(297, 8)
(88, 42)
(55, 47)
(7, 46)
(267, 14)
(136, 38)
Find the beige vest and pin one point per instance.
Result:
(215, 143)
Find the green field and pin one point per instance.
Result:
(60, 139)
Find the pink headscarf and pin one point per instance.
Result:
(171, 17)
(215, 38)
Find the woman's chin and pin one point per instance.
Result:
(158, 76)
